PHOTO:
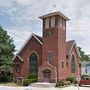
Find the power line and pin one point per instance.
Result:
(16, 35)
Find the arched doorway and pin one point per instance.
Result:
(33, 65)
(47, 75)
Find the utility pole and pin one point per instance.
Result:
(78, 77)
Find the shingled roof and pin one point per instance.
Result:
(69, 45)
(40, 38)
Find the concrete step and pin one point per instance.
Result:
(43, 84)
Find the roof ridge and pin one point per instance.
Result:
(70, 41)
(37, 35)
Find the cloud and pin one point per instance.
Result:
(19, 36)
(25, 13)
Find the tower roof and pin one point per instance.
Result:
(53, 14)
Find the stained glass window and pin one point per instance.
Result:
(62, 64)
(17, 68)
(73, 64)
(33, 64)
(50, 56)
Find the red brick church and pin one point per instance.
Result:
(49, 57)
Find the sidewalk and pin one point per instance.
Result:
(40, 88)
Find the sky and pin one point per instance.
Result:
(20, 19)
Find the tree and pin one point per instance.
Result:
(7, 49)
(84, 56)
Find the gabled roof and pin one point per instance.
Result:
(38, 38)
(18, 57)
(69, 46)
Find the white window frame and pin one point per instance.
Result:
(61, 23)
(64, 24)
(46, 23)
(52, 22)
(50, 57)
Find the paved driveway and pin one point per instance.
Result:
(38, 88)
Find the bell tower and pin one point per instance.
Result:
(54, 41)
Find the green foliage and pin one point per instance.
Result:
(6, 79)
(84, 56)
(32, 76)
(67, 82)
(60, 83)
(84, 76)
(9, 78)
(7, 49)
(3, 79)
(26, 82)
(5, 76)
(71, 79)
(31, 79)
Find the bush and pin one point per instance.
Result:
(31, 79)
(32, 76)
(84, 76)
(6, 79)
(3, 79)
(26, 82)
(5, 76)
(67, 82)
(9, 78)
(60, 83)
(75, 82)
(71, 79)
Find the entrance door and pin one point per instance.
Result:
(47, 75)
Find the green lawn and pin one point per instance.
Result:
(9, 84)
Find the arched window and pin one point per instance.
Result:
(33, 64)
(62, 64)
(17, 67)
(50, 56)
(73, 64)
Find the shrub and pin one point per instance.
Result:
(31, 79)
(6, 79)
(9, 78)
(5, 76)
(32, 76)
(26, 82)
(71, 79)
(60, 83)
(84, 76)
(67, 82)
(3, 79)
(75, 82)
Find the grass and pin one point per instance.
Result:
(9, 84)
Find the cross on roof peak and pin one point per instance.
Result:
(54, 7)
